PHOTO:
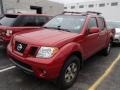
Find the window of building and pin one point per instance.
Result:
(81, 6)
(72, 7)
(18, 1)
(102, 5)
(91, 5)
(65, 7)
(114, 3)
(107, 3)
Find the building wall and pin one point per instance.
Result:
(110, 12)
(49, 7)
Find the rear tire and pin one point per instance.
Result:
(69, 72)
(107, 50)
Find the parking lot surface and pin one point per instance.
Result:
(94, 68)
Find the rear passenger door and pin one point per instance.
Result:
(103, 31)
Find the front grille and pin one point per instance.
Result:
(20, 47)
(33, 51)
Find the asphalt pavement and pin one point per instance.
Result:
(94, 68)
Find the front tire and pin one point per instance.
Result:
(69, 72)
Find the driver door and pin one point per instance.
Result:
(90, 43)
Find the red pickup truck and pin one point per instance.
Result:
(14, 23)
(59, 49)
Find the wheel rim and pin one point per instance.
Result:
(71, 72)
(109, 47)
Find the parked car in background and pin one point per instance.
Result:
(116, 26)
(59, 49)
(15, 23)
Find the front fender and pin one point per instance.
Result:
(68, 49)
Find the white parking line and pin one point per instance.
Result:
(9, 68)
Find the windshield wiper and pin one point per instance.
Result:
(63, 29)
(50, 27)
(58, 28)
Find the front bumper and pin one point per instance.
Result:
(43, 68)
(116, 39)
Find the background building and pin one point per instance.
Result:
(110, 9)
(32, 6)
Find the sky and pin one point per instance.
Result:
(71, 1)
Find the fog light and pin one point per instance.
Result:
(43, 73)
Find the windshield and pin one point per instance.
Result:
(8, 20)
(66, 23)
(113, 24)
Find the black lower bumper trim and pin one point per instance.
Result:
(24, 67)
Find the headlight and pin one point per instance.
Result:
(9, 32)
(47, 52)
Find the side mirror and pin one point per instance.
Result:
(94, 30)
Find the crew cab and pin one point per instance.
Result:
(59, 49)
(15, 23)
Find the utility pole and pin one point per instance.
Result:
(1, 6)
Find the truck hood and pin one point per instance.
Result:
(46, 37)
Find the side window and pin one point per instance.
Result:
(25, 21)
(29, 21)
(92, 23)
(101, 23)
(41, 20)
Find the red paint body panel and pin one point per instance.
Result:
(84, 43)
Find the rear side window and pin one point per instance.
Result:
(8, 20)
(30, 21)
(25, 21)
(41, 20)
(101, 23)
(92, 23)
